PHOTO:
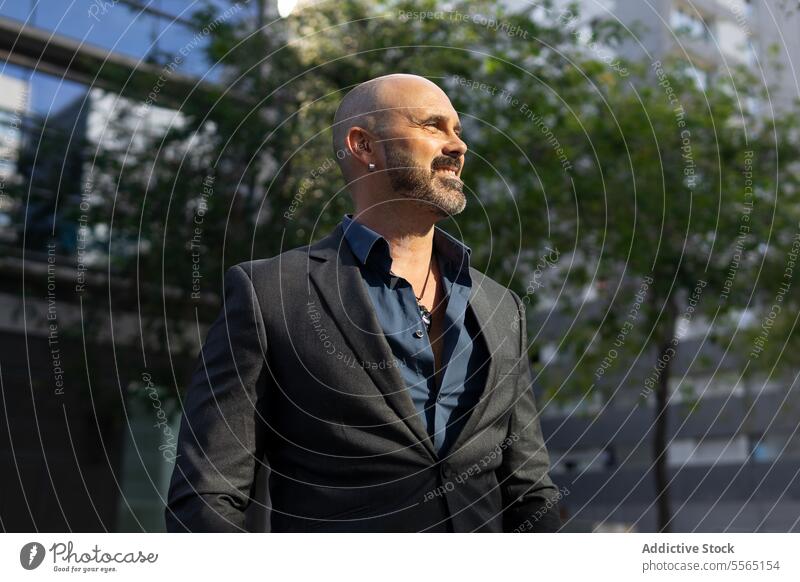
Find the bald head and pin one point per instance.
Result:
(371, 104)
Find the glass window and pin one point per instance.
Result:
(51, 141)
(773, 447)
(48, 95)
(148, 459)
(636, 455)
(180, 8)
(709, 451)
(124, 28)
(115, 27)
(16, 10)
(190, 45)
(186, 7)
(584, 460)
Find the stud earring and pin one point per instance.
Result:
(371, 167)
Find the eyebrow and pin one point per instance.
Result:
(439, 118)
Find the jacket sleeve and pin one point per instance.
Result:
(530, 499)
(220, 446)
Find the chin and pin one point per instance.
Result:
(451, 183)
(446, 210)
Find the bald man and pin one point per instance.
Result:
(379, 380)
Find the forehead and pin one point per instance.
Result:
(415, 100)
(430, 113)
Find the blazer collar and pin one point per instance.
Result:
(363, 239)
(335, 272)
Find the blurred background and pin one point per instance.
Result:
(633, 175)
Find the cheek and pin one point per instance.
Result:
(426, 151)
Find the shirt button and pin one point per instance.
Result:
(446, 470)
(418, 333)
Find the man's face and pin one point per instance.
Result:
(425, 156)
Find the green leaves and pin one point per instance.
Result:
(627, 169)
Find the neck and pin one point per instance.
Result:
(409, 231)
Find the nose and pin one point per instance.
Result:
(455, 148)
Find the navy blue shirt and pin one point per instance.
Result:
(464, 356)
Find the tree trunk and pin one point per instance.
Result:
(665, 338)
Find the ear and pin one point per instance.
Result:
(360, 144)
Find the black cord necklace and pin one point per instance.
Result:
(423, 311)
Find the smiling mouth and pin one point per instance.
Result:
(449, 171)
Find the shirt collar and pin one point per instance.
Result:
(364, 241)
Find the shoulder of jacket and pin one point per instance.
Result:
(270, 265)
(493, 289)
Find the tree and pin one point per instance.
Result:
(567, 155)
(684, 211)
(253, 159)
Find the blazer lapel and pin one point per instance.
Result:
(337, 278)
(336, 275)
(484, 311)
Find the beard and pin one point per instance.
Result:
(442, 194)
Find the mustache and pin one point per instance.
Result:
(445, 163)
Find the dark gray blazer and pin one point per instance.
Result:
(296, 376)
